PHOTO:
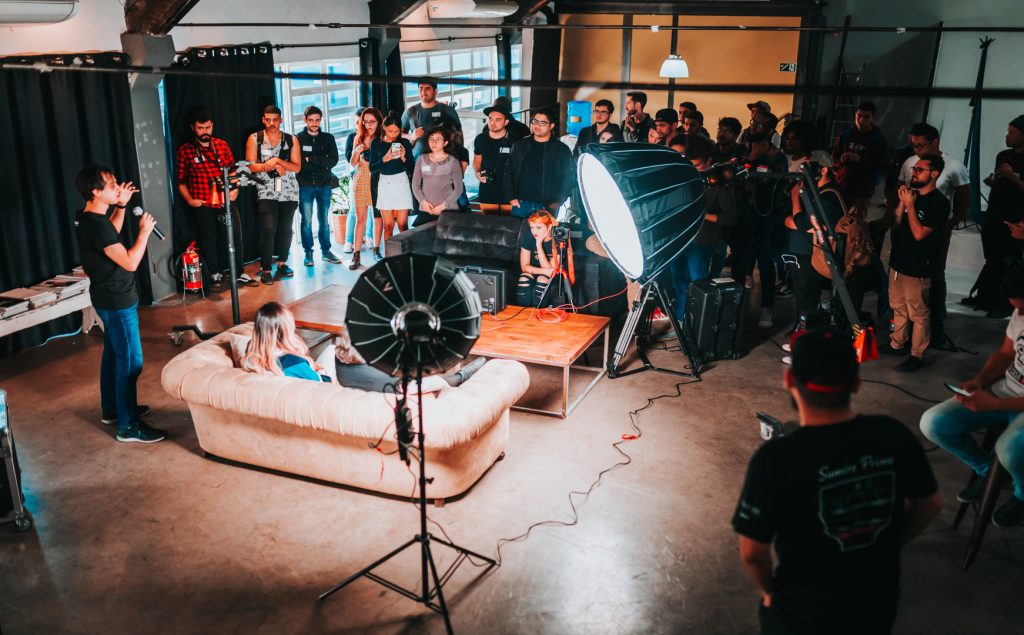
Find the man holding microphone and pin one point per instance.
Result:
(110, 267)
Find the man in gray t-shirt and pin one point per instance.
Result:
(419, 118)
(995, 396)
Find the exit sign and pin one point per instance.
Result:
(787, 67)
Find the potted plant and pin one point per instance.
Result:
(340, 205)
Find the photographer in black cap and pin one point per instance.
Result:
(665, 123)
(838, 498)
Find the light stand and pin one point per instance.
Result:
(416, 337)
(228, 183)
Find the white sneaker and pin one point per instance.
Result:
(786, 348)
(347, 248)
(787, 360)
(767, 319)
(748, 282)
(217, 277)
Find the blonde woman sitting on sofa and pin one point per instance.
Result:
(275, 348)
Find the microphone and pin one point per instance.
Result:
(138, 211)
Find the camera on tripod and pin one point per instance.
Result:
(560, 233)
(241, 178)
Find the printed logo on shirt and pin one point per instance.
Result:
(1016, 372)
(855, 501)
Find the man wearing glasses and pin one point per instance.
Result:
(954, 183)
(602, 112)
(538, 173)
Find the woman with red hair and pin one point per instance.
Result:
(536, 259)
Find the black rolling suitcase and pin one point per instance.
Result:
(715, 311)
(12, 507)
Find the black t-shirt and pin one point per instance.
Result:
(493, 155)
(801, 242)
(111, 287)
(1005, 196)
(913, 257)
(831, 499)
(529, 243)
(531, 177)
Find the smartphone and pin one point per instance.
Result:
(958, 390)
(396, 148)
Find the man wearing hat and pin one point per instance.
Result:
(765, 108)
(665, 124)
(838, 498)
(996, 397)
(491, 150)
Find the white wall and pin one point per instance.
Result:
(288, 11)
(96, 27)
(420, 16)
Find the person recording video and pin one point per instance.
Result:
(110, 267)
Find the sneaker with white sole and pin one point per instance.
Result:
(139, 432)
(786, 348)
(767, 319)
(347, 248)
(787, 360)
(245, 281)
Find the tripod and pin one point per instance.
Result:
(560, 276)
(425, 594)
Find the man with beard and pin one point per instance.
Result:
(762, 108)
(838, 498)
(665, 121)
(539, 170)
(860, 156)
(491, 150)
(637, 125)
(198, 169)
(728, 132)
(693, 124)
(917, 237)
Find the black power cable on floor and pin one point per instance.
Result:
(634, 420)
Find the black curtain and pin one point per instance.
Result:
(235, 104)
(52, 124)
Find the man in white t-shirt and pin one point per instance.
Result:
(955, 185)
(996, 397)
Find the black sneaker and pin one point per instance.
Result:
(307, 260)
(266, 278)
(139, 432)
(972, 493)
(284, 271)
(111, 417)
(1009, 514)
(886, 349)
(910, 365)
(331, 258)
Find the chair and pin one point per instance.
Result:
(998, 477)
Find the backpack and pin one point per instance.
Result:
(286, 143)
(854, 248)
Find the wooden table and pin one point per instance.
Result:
(526, 339)
(323, 310)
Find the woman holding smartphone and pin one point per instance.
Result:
(391, 159)
(437, 179)
(368, 130)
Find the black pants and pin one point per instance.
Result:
(764, 250)
(275, 231)
(213, 238)
(937, 294)
(806, 284)
(740, 238)
(530, 289)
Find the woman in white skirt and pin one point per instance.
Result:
(391, 161)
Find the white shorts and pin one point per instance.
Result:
(394, 192)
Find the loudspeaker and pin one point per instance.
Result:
(490, 284)
(714, 315)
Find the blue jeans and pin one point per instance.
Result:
(350, 227)
(949, 425)
(321, 195)
(121, 364)
(527, 208)
(690, 266)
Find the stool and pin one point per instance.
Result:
(997, 478)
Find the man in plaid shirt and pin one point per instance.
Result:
(198, 162)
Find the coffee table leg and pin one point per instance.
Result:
(565, 391)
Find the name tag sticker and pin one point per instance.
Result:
(196, 159)
(504, 150)
(307, 148)
(435, 115)
(427, 169)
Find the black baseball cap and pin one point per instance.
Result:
(667, 115)
(824, 360)
(498, 108)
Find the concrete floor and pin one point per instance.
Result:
(146, 539)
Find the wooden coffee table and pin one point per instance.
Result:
(526, 339)
(323, 310)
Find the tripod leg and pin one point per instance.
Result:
(429, 558)
(628, 330)
(367, 569)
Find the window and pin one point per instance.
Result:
(339, 100)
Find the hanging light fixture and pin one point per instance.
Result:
(674, 67)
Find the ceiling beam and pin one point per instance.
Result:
(155, 16)
(688, 7)
(392, 11)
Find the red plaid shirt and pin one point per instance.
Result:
(196, 165)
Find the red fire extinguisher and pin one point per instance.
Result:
(191, 271)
